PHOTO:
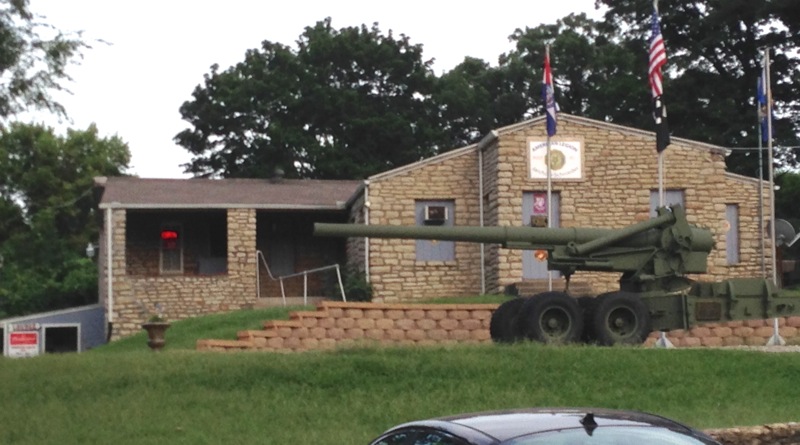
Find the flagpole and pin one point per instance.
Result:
(661, 179)
(771, 166)
(549, 185)
(660, 153)
(657, 59)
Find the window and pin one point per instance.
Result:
(436, 438)
(435, 213)
(419, 437)
(732, 233)
(671, 197)
(171, 247)
(400, 438)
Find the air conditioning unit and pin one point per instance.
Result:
(435, 214)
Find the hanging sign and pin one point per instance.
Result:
(566, 159)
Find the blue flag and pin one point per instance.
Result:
(761, 98)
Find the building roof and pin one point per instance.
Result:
(282, 194)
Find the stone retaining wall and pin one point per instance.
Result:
(773, 434)
(337, 324)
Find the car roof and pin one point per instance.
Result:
(498, 426)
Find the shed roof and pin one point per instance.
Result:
(283, 194)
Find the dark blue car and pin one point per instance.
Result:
(551, 426)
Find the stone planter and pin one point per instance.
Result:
(155, 334)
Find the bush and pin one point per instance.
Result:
(356, 286)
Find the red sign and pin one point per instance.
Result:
(23, 338)
(23, 344)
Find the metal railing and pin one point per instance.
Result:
(304, 274)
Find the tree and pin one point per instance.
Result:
(31, 66)
(347, 104)
(474, 98)
(46, 192)
(714, 61)
(598, 73)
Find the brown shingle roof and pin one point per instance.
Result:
(290, 194)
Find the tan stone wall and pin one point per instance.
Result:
(183, 296)
(620, 170)
(395, 273)
(491, 172)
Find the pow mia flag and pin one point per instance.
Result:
(662, 129)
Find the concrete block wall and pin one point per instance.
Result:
(336, 324)
(732, 333)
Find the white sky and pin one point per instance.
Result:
(159, 50)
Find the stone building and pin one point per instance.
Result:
(603, 175)
(198, 246)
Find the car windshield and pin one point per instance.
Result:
(609, 436)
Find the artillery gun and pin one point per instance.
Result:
(653, 257)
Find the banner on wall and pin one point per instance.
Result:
(566, 159)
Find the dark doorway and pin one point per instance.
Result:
(60, 339)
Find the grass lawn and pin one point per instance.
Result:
(124, 394)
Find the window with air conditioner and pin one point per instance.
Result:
(435, 213)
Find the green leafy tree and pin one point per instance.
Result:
(31, 66)
(347, 103)
(474, 98)
(46, 192)
(598, 74)
(714, 61)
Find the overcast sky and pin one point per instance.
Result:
(159, 50)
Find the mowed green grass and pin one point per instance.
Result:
(125, 394)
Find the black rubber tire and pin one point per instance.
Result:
(620, 318)
(552, 318)
(503, 326)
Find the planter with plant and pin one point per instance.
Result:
(156, 327)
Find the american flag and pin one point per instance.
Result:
(658, 58)
(548, 94)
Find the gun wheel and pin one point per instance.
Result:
(504, 325)
(552, 317)
(620, 318)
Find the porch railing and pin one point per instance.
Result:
(304, 274)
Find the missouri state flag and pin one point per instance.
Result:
(548, 95)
